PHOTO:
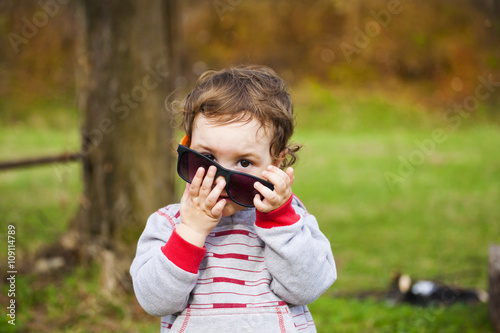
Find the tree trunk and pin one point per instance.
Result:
(123, 81)
(494, 288)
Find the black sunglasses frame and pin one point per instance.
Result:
(221, 171)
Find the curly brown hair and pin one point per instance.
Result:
(239, 94)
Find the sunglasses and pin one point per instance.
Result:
(239, 185)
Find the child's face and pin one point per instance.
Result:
(240, 146)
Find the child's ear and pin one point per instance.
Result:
(277, 161)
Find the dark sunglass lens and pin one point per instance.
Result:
(241, 190)
(184, 166)
(190, 163)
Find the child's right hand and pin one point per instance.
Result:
(200, 208)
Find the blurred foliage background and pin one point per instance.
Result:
(433, 49)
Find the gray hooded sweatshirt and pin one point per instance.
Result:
(256, 273)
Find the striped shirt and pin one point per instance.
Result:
(256, 273)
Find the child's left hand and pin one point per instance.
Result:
(282, 182)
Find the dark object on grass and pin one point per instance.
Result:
(427, 293)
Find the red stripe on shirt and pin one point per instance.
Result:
(186, 319)
(228, 305)
(229, 256)
(164, 324)
(230, 292)
(281, 321)
(228, 280)
(236, 305)
(235, 281)
(168, 217)
(235, 256)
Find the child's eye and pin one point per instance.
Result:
(210, 156)
(244, 163)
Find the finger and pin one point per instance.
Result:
(218, 208)
(216, 192)
(257, 202)
(264, 190)
(278, 178)
(260, 205)
(206, 185)
(194, 188)
(269, 195)
(279, 172)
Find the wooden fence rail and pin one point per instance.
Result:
(61, 158)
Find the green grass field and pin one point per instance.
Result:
(394, 186)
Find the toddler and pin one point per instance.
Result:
(240, 253)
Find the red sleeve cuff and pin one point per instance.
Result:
(183, 254)
(282, 216)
